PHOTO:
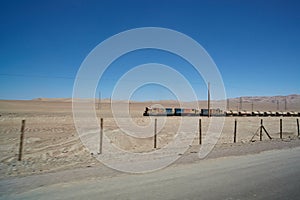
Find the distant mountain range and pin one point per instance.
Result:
(293, 98)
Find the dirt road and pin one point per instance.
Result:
(269, 175)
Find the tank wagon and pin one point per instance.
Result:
(261, 113)
(149, 111)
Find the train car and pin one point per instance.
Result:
(248, 113)
(273, 114)
(278, 113)
(149, 111)
(235, 113)
(213, 112)
(242, 113)
(293, 114)
(284, 114)
(296, 114)
(267, 113)
(245, 113)
(228, 113)
(186, 112)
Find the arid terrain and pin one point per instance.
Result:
(51, 142)
(54, 154)
(268, 175)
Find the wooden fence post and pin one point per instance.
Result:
(234, 133)
(298, 127)
(21, 140)
(200, 132)
(101, 136)
(260, 131)
(280, 128)
(155, 133)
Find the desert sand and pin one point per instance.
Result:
(52, 144)
(267, 175)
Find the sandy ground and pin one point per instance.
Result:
(268, 175)
(52, 144)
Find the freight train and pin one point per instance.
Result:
(149, 111)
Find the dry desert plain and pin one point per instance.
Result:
(51, 142)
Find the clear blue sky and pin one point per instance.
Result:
(255, 44)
